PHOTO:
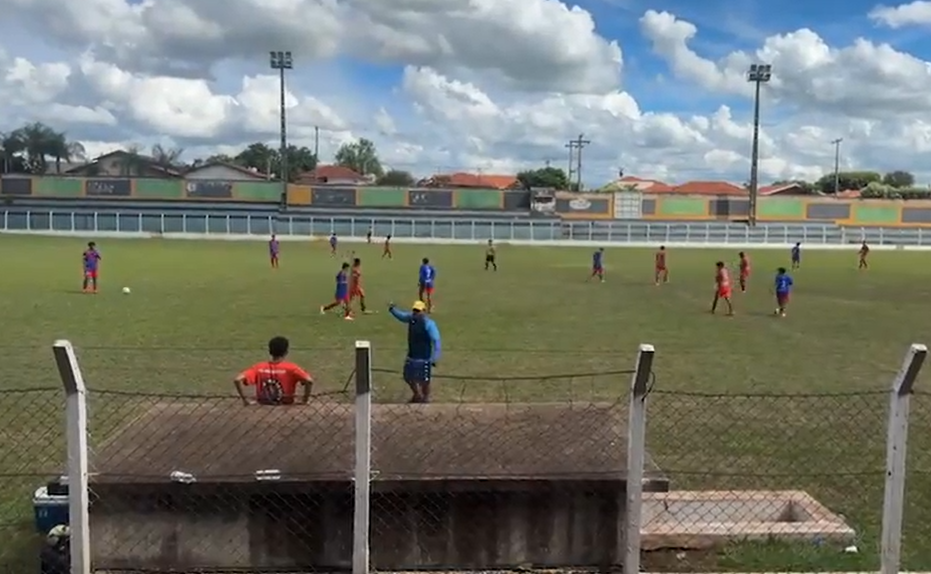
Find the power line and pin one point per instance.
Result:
(575, 159)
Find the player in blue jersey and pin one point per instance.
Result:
(91, 260)
(423, 349)
(797, 256)
(598, 267)
(426, 283)
(333, 244)
(341, 297)
(783, 286)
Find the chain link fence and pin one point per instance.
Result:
(513, 471)
(32, 452)
(765, 481)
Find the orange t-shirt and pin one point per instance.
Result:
(275, 382)
(355, 280)
(660, 259)
(745, 266)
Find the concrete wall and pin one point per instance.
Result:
(459, 526)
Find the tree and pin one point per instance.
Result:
(552, 177)
(300, 160)
(396, 178)
(899, 178)
(132, 163)
(361, 157)
(265, 159)
(804, 186)
(847, 180)
(12, 147)
(166, 158)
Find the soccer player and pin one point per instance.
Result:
(783, 288)
(368, 236)
(660, 274)
(333, 244)
(341, 297)
(92, 260)
(744, 271)
(387, 250)
(797, 256)
(355, 284)
(863, 253)
(490, 253)
(273, 251)
(598, 269)
(722, 280)
(423, 349)
(426, 282)
(275, 380)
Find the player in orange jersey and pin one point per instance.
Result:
(863, 253)
(355, 285)
(661, 273)
(387, 252)
(722, 280)
(744, 271)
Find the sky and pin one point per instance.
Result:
(486, 86)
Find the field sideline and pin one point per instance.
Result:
(201, 310)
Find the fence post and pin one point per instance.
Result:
(897, 438)
(636, 456)
(76, 433)
(363, 467)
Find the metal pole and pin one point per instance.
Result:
(755, 154)
(284, 142)
(837, 165)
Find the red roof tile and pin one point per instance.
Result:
(478, 180)
(325, 173)
(709, 188)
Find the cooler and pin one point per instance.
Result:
(50, 509)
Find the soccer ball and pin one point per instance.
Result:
(126, 291)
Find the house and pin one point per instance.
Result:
(462, 180)
(226, 172)
(631, 183)
(790, 188)
(122, 163)
(333, 175)
(716, 188)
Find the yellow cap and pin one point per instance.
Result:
(419, 306)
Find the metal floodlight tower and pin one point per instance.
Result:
(282, 61)
(759, 74)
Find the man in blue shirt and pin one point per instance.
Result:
(426, 281)
(423, 349)
(598, 268)
(783, 286)
(797, 256)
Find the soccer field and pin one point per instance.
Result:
(738, 402)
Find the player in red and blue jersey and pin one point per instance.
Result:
(92, 260)
(598, 267)
(341, 297)
(783, 286)
(426, 282)
(273, 251)
(333, 245)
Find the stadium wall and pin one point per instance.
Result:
(624, 205)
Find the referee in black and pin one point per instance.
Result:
(423, 349)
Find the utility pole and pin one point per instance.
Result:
(316, 145)
(282, 61)
(758, 75)
(575, 159)
(837, 143)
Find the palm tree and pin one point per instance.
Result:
(63, 150)
(38, 142)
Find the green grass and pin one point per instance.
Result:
(738, 402)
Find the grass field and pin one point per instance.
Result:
(751, 401)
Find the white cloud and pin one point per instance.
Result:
(492, 85)
(916, 13)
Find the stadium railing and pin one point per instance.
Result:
(757, 482)
(230, 225)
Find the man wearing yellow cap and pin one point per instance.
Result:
(423, 349)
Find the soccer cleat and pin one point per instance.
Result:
(349, 318)
(322, 310)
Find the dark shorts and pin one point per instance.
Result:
(489, 259)
(417, 371)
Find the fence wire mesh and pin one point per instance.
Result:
(778, 482)
(916, 529)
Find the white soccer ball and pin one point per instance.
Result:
(126, 291)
